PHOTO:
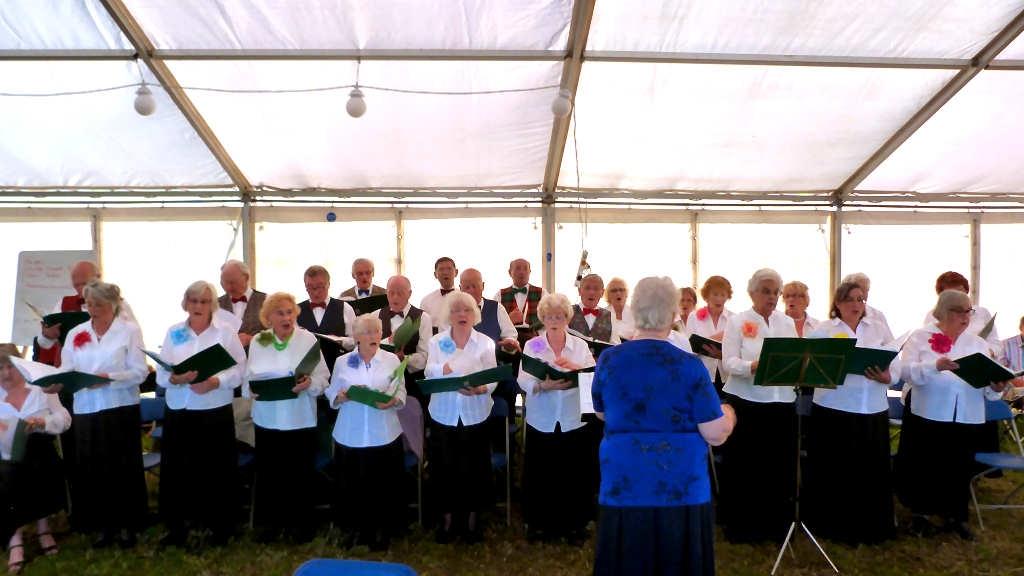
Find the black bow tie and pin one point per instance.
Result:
(363, 293)
(399, 314)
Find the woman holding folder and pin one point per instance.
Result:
(110, 492)
(709, 322)
(848, 480)
(464, 460)
(936, 454)
(284, 375)
(559, 453)
(198, 456)
(758, 464)
(368, 389)
(34, 485)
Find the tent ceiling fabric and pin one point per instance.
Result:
(355, 24)
(775, 126)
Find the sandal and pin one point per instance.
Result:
(47, 550)
(15, 566)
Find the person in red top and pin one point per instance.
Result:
(46, 347)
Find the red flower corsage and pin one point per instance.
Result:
(749, 330)
(702, 314)
(81, 339)
(940, 343)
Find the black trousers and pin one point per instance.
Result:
(198, 470)
(463, 468)
(369, 496)
(285, 469)
(556, 470)
(110, 485)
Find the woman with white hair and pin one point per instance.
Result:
(199, 427)
(936, 454)
(368, 452)
(763, 446)
(615, 294)
(559, 447)
(661, 412)
(463, 465)
(110, 493)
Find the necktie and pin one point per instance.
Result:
(318, 305)
(447, 291)
(523, 290)
(242, 298)
(595, 312)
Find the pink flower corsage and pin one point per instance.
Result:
(749, 330)
(81, 339)
(702, 314)
(940, 343)
(536, 346)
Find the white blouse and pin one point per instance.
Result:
(679, 340)
(359, 425)
(118, 354)
(943, 396)
(810, 325)
(546, 408)
(739, 352)
(181, 343)
(623, 328)
(38, 404)
(979, 320)
(858, 394)
(707, 328)
(266, 362)
(449, 408)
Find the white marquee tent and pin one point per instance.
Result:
(706, 136)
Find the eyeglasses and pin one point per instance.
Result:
(616, 289)
(969, 311)
(859, 300)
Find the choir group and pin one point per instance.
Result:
(381, 367)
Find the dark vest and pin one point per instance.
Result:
(385, 319)
(489, 320)
(533, 295)
(602, 329)
(333, 322)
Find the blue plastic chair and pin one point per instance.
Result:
(501, 461)
(333, 567)
(997, 410)
(151, 411)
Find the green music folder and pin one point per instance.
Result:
(309, 362)
(72, 381)
(274, 389)
(541, 370)
(405, 333)
(368, 304)
(698, 342)
(208, 362)
(979, 370)
(454, 383)
(67, 321)
(811, 362)
(364, 395)
(864, 358)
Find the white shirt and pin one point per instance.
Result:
(418, 359)
(810, 324)
(180, 344)
(878, 319)
(125, 314)
(348, 314)
(359, 425)
(943, 396)
(708, 328)
(620, 328)
(739, 352)
(266, 362)
(38, 404)
(118, 354)
(679, 340)
(520, 298)
(546, 408)
(858, 394)
(432, 303)
(239, 307)
(449, 408)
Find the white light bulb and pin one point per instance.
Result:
(561, 105)
(145, 103)
(355, 106)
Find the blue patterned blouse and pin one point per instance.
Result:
(653, 395)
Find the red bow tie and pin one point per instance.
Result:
(595, 312)
(318, 305)
(447, 291)
(242, 298)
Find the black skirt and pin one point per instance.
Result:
(285, 475)
(935, 464)
(655, 541)
(198, 469)
(110, 488)
(757, 477)
(462, 468)
(35, 486)
(556, 465)
(369, 497)
(847, 482)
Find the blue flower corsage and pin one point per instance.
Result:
(353, 361)
(180, 335)
(447, 345)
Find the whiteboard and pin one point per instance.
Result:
(44, 277)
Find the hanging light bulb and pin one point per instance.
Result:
(355, 106)
(561, 105)
(145, 103)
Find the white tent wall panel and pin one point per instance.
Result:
(58, 25)
(844, 28)
(94, 139)
(724, 127)
(1001, 276)
(404, 140)
(1015, 51)
(971, 145)
(355, 24)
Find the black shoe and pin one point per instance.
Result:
(473, 536)
(127, 540)
(922, 527)
(106, 540)
(442, 536)
(961, 529)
